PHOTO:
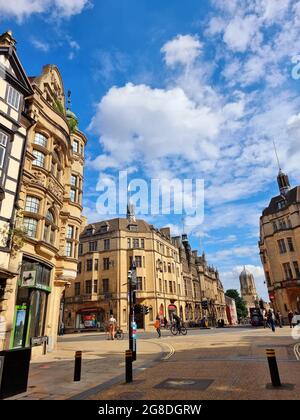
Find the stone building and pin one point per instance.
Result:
(14, 123)
(168, 278)
(280, 246)
(248, 289)
(50, 200)
(212, 291)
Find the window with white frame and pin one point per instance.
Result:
(40, 139)
(74, 193)
(32, 204)
(3, 144)
(69, 249)
(30, 226)
(70, 232)
(49, 230)
(69, 243)
(13, 98)
(39, 158)
(75, 146)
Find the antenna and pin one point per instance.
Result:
(276, 154)
(69, 99)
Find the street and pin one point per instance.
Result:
(205, 364)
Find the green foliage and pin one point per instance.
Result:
(73, 124)
(59, 107)
(241, 308)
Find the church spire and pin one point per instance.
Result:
(282, 178)
(130, 210)
(283, 182)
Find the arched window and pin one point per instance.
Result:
(49, 230)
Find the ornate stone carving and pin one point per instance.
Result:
(55, 189)
(38, 178)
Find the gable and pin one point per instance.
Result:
(14, 71)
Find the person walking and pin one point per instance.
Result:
(112, 327)
(290, 318)
(278, 319)
(270, 320)
(157, 326)
(264, 315)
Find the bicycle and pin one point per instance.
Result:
(178, 330)
(119, 335)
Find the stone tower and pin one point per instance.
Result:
(248, 289)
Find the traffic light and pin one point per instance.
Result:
(204, 304)
(138, 309)
(146, 310)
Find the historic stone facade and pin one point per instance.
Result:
(248, 289)
(280, 247)
(14, 123)
(50, 202)
(168, 278)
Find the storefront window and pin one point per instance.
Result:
(31, 305)
(38, 301)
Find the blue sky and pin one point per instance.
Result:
(170, 89)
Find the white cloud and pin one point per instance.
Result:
(184, 49)
(22, 9)
(154, 124)
(240, 32)
(40, 45)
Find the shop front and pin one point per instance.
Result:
(31, 305)
(90, 319)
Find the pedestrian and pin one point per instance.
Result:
(112, 327)
(290, 318)
(157, 326)
(271, 320)
(264, 315)
(278, 319)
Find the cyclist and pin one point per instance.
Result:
(177, 320)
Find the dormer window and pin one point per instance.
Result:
(281, 204)
(104, 228)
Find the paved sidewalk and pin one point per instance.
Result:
(226, 366)
(103, 362)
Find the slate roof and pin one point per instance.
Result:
(292, 197)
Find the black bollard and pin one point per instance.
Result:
(273, 368)
(77, 367)
(128, 366)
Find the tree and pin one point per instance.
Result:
(241, 307)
